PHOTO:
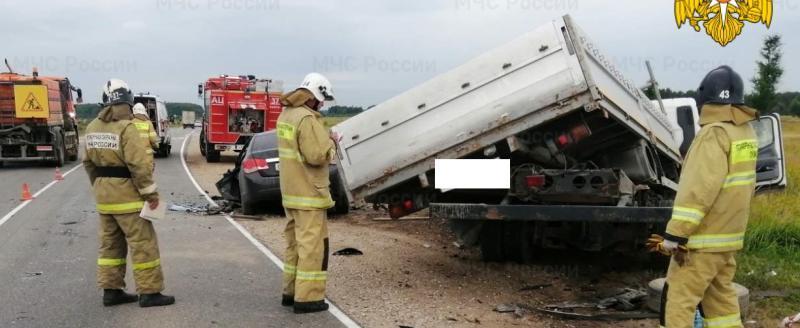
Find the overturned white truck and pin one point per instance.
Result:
(594, 163)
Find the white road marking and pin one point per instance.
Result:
(334, 310)
(25, 203)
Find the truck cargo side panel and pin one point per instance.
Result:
(460, 105)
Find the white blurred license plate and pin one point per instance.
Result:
(277, 166)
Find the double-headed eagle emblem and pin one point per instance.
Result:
(722, 19)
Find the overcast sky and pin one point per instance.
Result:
(370, 49)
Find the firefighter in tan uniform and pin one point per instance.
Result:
(143, 124)
(711, 209)
(305, 148)
(120, 169)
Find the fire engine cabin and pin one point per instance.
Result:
(236, 108)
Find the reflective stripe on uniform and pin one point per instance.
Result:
(144, 135)
(716, 240)
(740, 179)
(288, 153)
(120, 206)
(313, 202)
(290, 270)
(147, 265)
(687, 214)
(286, 131)
(733, 320)
(142, 126)
(148, 190)
(744, 151)
(312, 275)
(110, 262)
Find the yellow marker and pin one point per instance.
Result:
(31, 101)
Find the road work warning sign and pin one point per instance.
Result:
(31, 101)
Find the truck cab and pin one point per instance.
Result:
(157, 112)
(236, 108)
(684, 116)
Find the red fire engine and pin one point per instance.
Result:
(236, 108)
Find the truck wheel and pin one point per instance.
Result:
(59, 150)
(73, 156)
(491, 240)
(202, 143)
(248, 209)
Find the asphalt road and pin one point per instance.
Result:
(48, 255)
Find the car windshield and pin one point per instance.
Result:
(264, 141)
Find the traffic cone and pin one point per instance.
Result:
(59, 176)
(26, 192)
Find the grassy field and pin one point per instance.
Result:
(771, 260)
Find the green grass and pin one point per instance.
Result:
(773, 239)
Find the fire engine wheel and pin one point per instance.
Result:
(202, 143)
(212, 156)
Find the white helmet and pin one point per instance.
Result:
(139, 109)
(319, 86)
(116, 91)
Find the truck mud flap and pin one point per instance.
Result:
(551, 213)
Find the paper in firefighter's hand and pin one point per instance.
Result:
(157, 214)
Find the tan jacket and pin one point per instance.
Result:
(305, 150)
(717, 182)
(112, 140)
(146, 129)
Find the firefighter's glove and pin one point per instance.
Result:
(656, 243)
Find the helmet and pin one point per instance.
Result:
(139, 109)
(721, 86)
(115, 92)
(319, 86)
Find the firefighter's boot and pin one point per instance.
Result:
(287, 300)
(157, 299)
(113, 297)
(310, 307)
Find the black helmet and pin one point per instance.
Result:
(117, 92)
(721, 86)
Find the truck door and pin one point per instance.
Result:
(771, 165)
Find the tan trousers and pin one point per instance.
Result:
(118, 232)
(305, 269)
(705, 280)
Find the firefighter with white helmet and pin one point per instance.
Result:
(142, 122)
(305, 149)
(120, 170)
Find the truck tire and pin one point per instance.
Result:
(202, 142)
(507, 241)
(655, 287)
(73, 156)
(59, 150)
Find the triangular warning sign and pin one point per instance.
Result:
(31, 104)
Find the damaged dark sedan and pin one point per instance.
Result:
(255, 180)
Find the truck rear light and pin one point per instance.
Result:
(250, 165)
(563, 141)
(535, 181)
(408, 205)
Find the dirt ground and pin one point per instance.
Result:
(413, 275)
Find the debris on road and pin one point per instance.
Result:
(33, 274)
(247, 217)
(628, 300)
(535, 287)
(349, 251)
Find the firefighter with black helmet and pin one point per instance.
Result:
(711, 209)
(120, 170)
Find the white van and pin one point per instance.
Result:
(157, 111)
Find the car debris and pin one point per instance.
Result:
(349, 251)
(791, 322)
(535, 287)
